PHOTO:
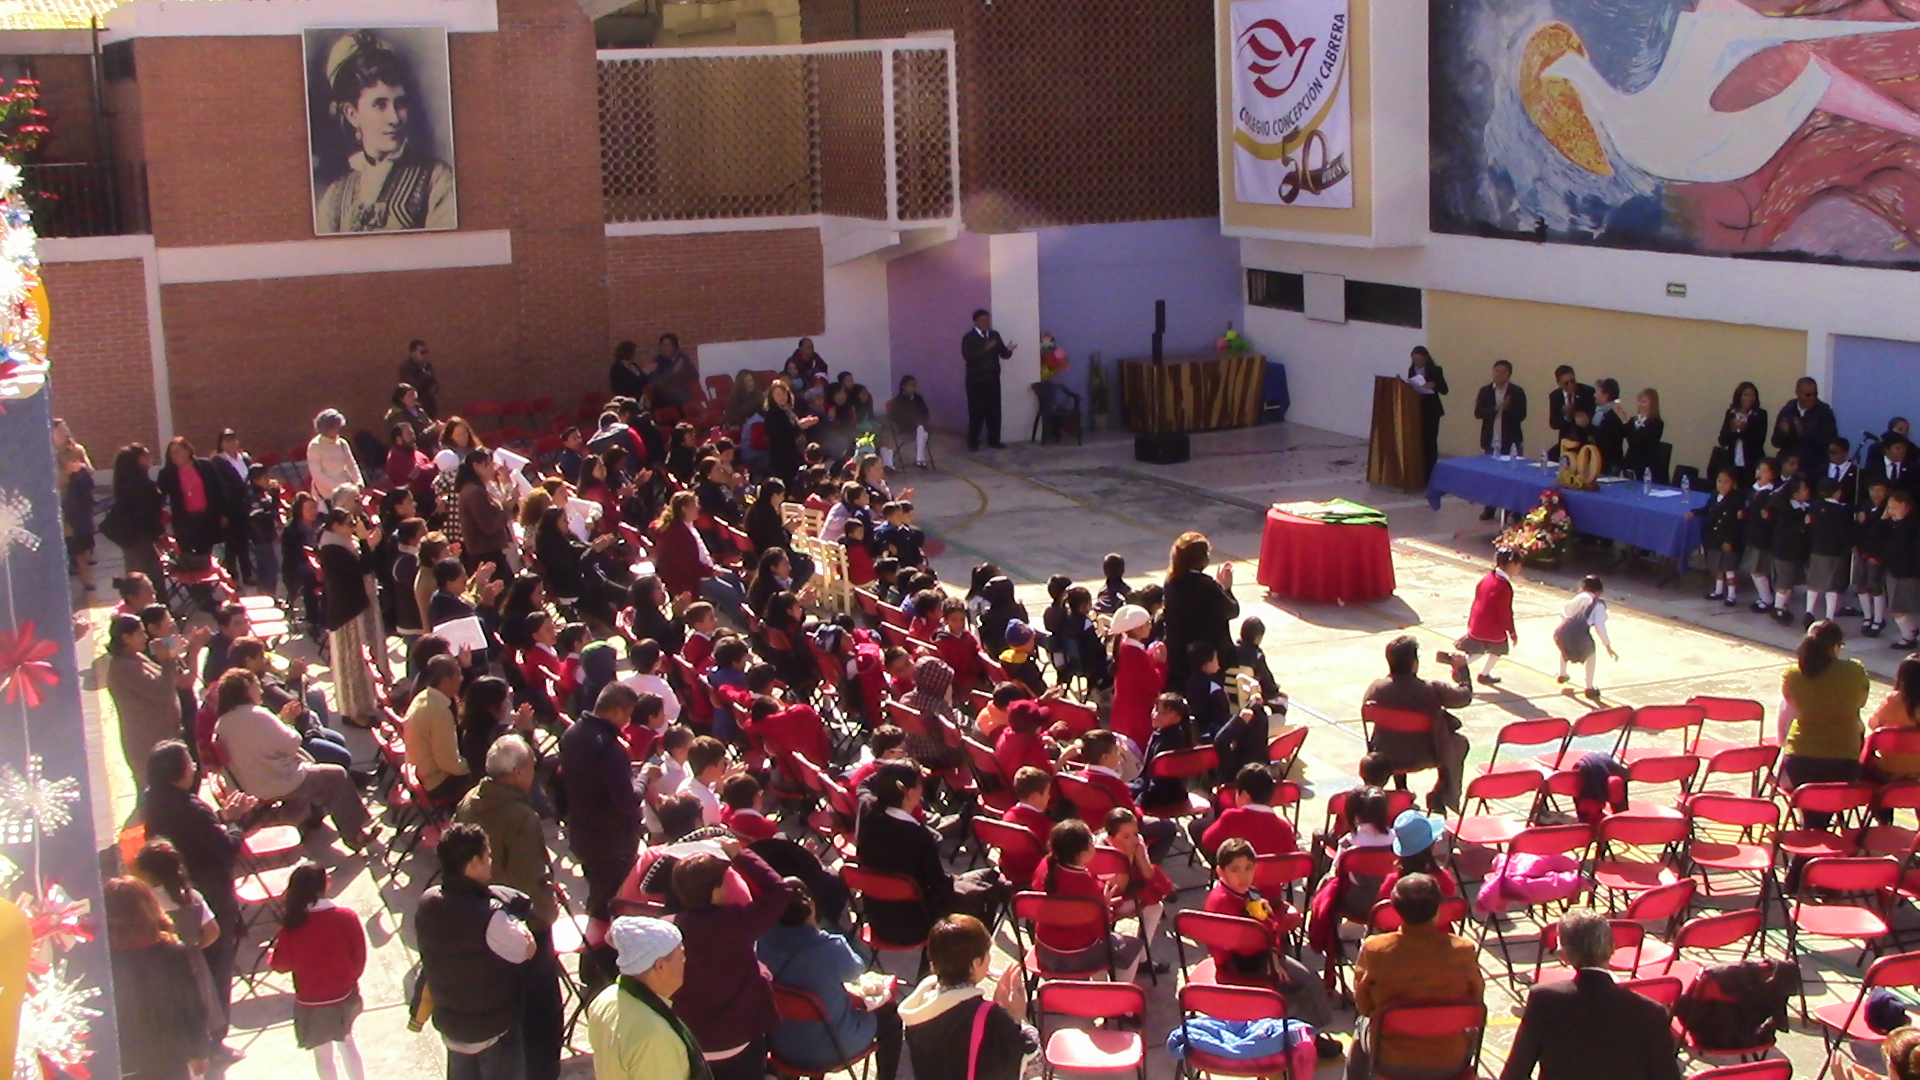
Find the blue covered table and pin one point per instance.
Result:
(1655, 522)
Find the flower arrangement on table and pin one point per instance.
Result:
(1231, 342)
(1053, 358)
(1542, 534)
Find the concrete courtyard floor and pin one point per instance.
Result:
(1041, 510)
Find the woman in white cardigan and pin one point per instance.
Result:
(330, 460)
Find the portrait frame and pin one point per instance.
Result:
(369, 174)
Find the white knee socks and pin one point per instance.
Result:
(886, 457)
(1487, 668)
(1593, 665)
(1909, 625)
(1877, 611)
(1762, 586)
(349, 1055)
(1833, 604)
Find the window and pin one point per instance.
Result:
(116, 58)
(1277, 289)
(1394, 305)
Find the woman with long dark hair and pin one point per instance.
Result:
(574, 569)
(1199, 606)
(133, 522)
(766, 528)
(1900, 711)
(76, 502)
(786, 431)
(160, 866)
(486, 521)
(142, 683)
(1822, 694)
(1430, 383)
(653, 615)
(325, 948)
(1743, 434)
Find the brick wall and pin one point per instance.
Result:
(263, 357)
(715, 286)
(224, 122)
(102, 379)
(66, 93)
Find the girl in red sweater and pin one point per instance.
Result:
(1490, 628)
(1064, 873)
(325, 948)
(1144, 888)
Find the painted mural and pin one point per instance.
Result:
(1759, 128)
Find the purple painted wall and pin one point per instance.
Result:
(1098, 284)
(930, 297)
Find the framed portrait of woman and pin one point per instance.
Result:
(380, 130)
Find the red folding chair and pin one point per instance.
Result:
(1570, 840)
(996, 787)
(1183, 765)
(1375, 717)
(1871, 879)
(1752, 823)
(1546, 731)
(1240, 1004)
(1215, 932)
(1084, 1050)
(1754, 762)
(1090, 802)
(1726, 710)
(1283, 750)
(1891, 839)
(1489, 830)
(1039, 912)
(1079, 718)
(1616, 874)
(1006, 838)
(886, 887)
(797, 1006)
(1430, 1021)
(1662, 990)
(1629, 938)
(1398, 802)
(1277, 877)
(1384, 919)
(1658, 720)
(1846, 802)
(1590, 728)
(1709, 934)
(1772, 1069)
(1663, 907)
(1655, 770)
(1842, 1022)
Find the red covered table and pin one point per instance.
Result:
(1304, 559)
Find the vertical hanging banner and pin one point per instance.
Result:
(1292, 122)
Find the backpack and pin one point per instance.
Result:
(1738, 1006)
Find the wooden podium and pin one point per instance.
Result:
(1394, 454)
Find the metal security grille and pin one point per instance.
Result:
(861, 130)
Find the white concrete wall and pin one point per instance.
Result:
(1014, 268)
(855, 338)
(1330, 366)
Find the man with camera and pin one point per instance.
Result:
(1441, 746)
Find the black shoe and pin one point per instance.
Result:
(1486, 514)
(996, 446)
(1593, 693)
(1870, 630)
(1807, 620)
(1731, 601)
(1489, 680)
(1851, 611)
(1761, 607)
(1903, 643)
(1157, 967)
(1327, 1047)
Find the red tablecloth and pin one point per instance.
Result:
(1303, 559)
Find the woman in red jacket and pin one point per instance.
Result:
(681, 559)
(1139, 674)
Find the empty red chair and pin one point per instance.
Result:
(1841, 803)
(1084, 1050)
(1892, 839)
(1726, 710)
(1655, 770)
(1840, 1022)
(1485, 829)
(1713, 933)
(1754, 762)
(1658, 720)
(1872, 880)
(1616, 874)
(1284, 749)
(1590, 727)
(1547, 731)
(1749, 854)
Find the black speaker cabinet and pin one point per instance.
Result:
(1162, 449)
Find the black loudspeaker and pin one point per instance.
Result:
(1162, 449)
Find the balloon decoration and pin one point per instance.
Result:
(54, 972)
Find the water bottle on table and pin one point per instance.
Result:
(1646, 480)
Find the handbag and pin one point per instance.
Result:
(117, 526)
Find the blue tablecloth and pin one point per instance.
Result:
(1617, 511)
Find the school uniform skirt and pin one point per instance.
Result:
(1719, 561)
(318, 1025)
(1757, 561)
(1828, 573)
(1787, 574)
(1474, 646)
(1868, 576)
(1903, 594)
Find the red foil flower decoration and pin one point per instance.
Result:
(24, 671)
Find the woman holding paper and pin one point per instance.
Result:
(486, 520)
(573, 569)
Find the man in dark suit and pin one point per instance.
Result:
(1569, 396)
(983, 350)
(1805, 426)
(1590, 1028)
(1501, 408)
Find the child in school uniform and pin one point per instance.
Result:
(860, 569)
(1722, 536)
(1869, 573)
(1144, 888)
(1584, 619)
(1233, 894)
(702, 624)
(1017, 657)
(1490, 627)
(1899, 548)
(958, 647)
(324, 946)
(1756, 523)
(1115, 590)
(1032, 789)
(1099, 751)
(1792, 512)
(1064, 873)
(1830, 549)
(1206, 694)
(740, 809)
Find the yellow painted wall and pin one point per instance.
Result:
(1695, 365)
(1354, 221)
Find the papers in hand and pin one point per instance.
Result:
(464, 634)
(515, 467)
(581, 514)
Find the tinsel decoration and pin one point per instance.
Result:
(55, 1021)
(15, 513)
(32, 805)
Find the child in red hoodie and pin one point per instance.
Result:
(1023, 742)
(325, 948)
(740, 809)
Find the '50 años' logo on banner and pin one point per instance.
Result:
(1292, 129)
